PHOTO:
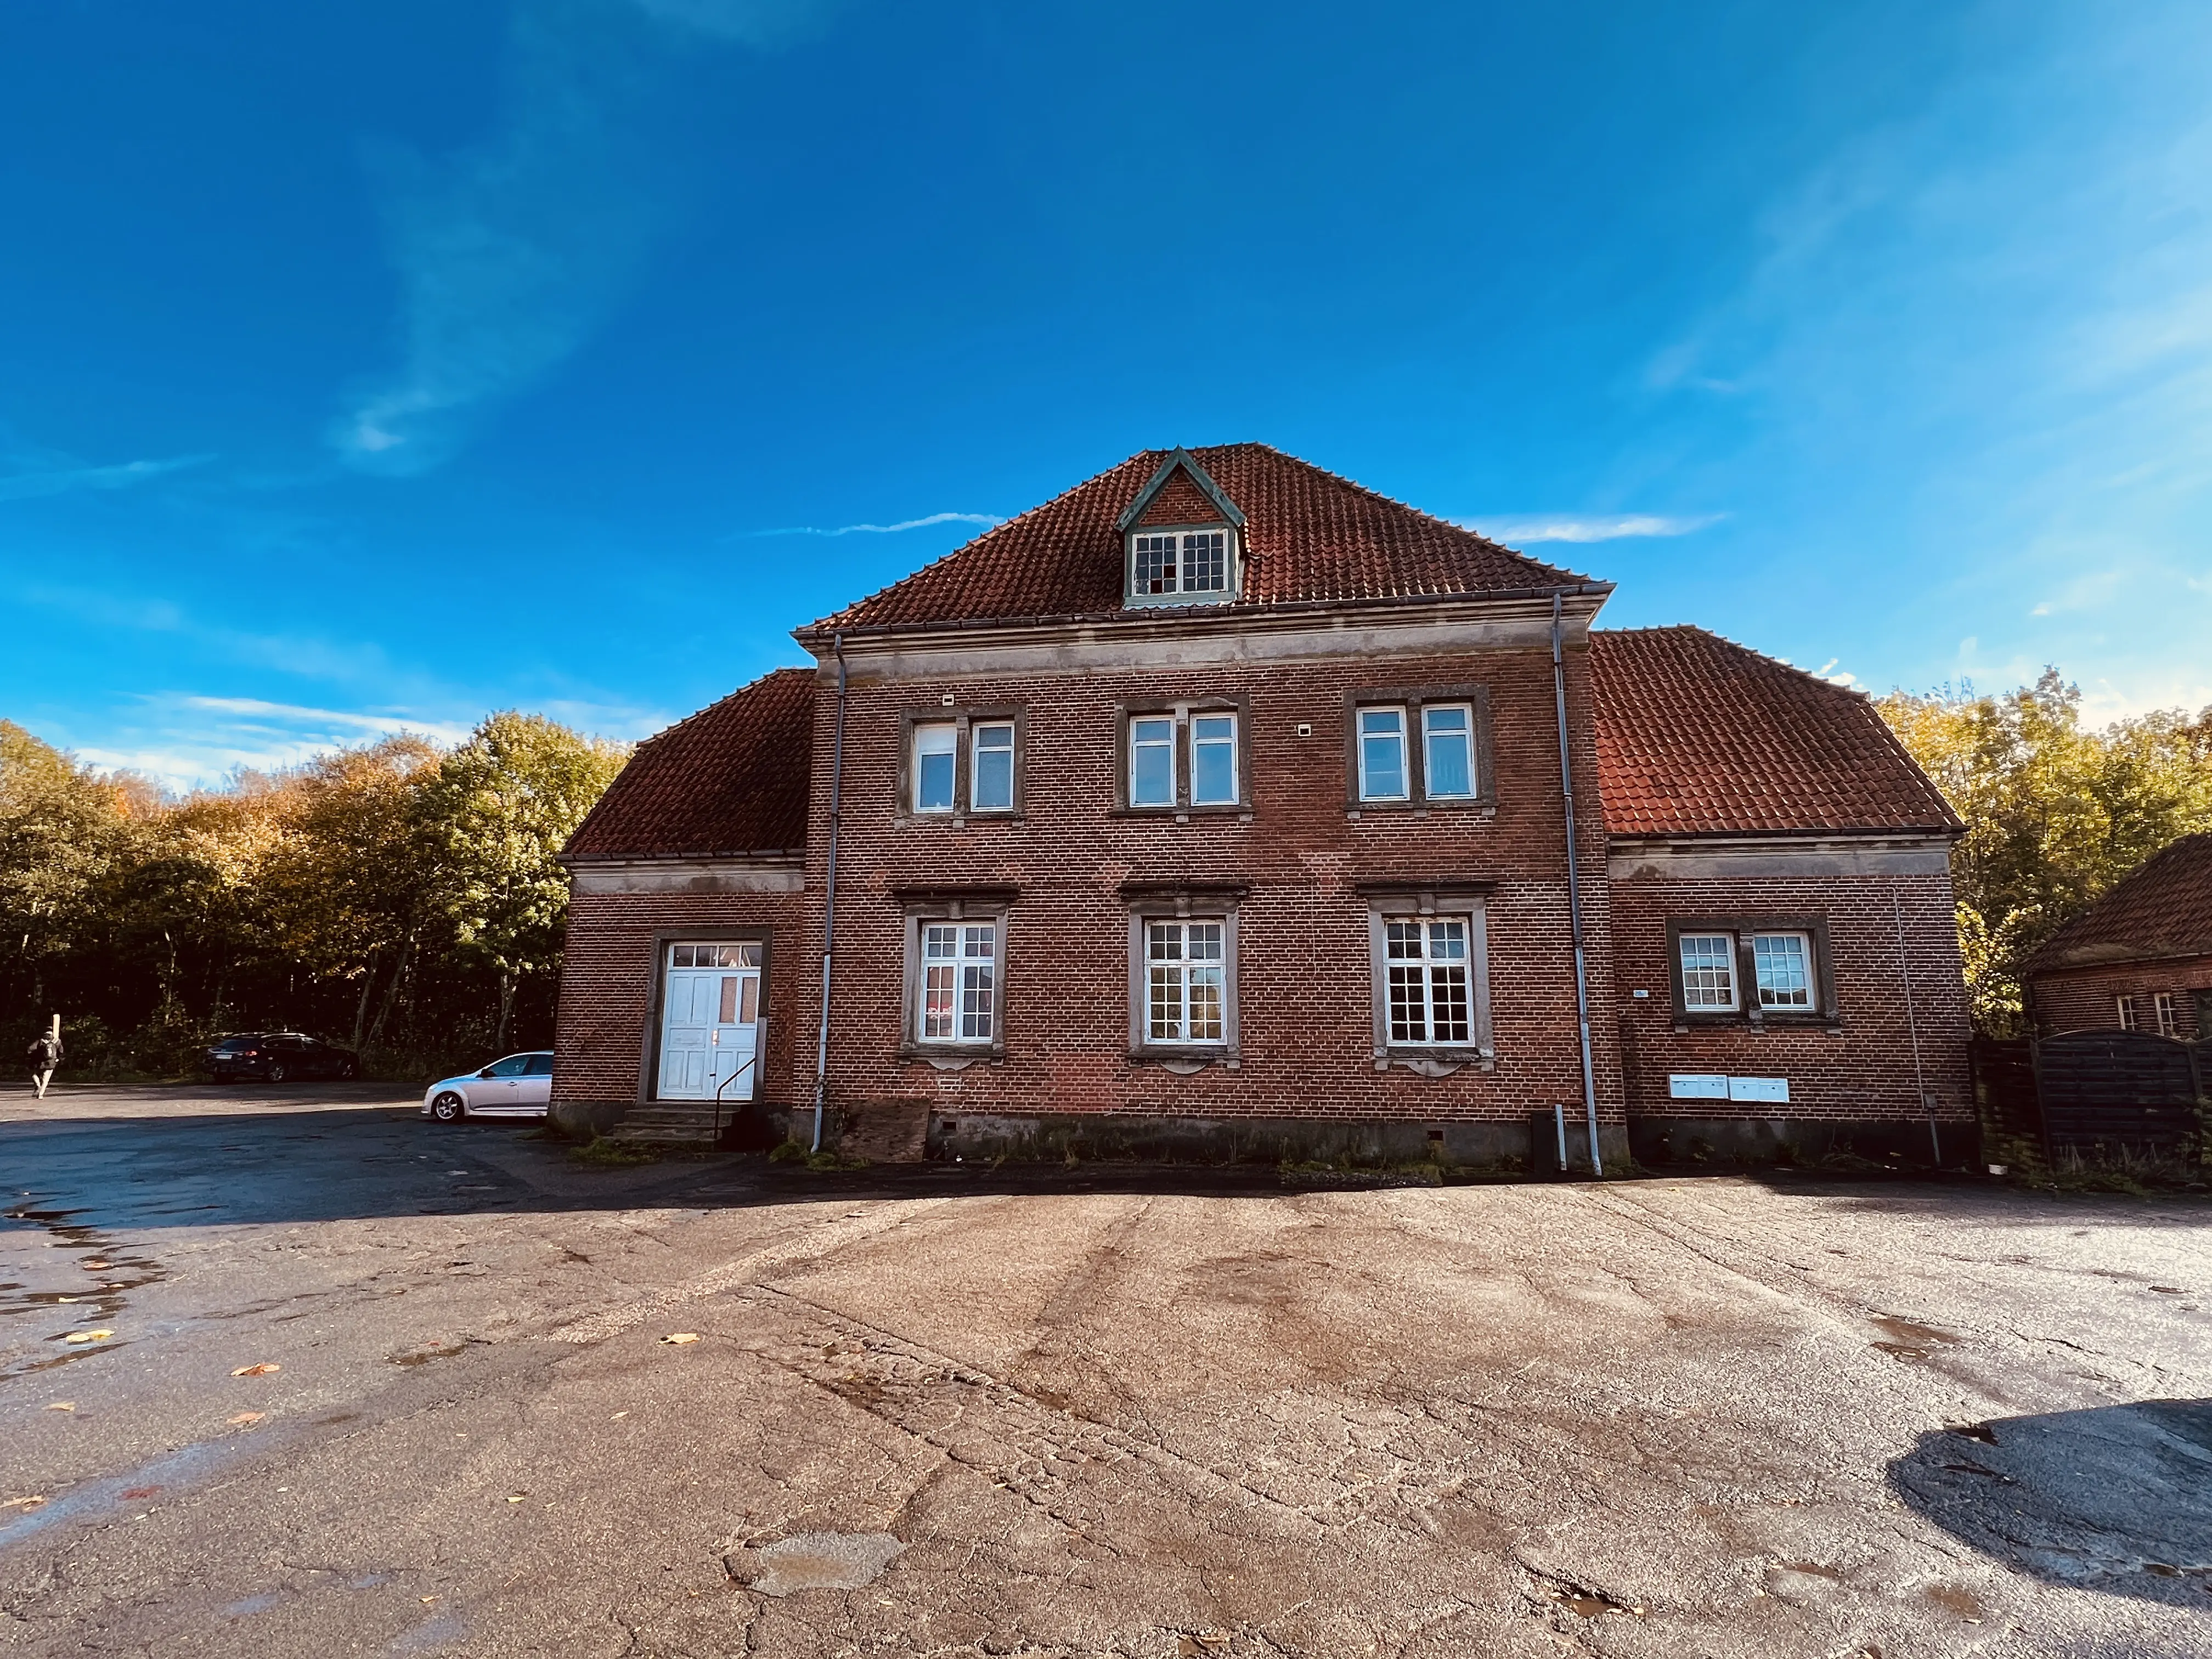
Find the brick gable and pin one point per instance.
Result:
(1181, 502)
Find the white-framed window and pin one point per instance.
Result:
(959, 984)
(1448, 752)
(1214, 759)
(991, 766)
(936, 758)
(2163, 1016)
(2126, 1007)
(1152, 760)
(1782, 963)
(1383, 755)
(1172, 562)
(1185, 980)
(1708, 972)
(1430, 993)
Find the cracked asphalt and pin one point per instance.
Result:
(372, 1386)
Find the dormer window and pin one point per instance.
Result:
(1182, 537)
(1181, 562)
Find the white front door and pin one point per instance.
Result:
(710, 1022)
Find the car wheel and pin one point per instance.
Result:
(448, 1108)
(276, 1072)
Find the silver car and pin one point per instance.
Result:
(521, 1085)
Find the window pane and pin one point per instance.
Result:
(994, 769)
(1165, 1022)
(1449, 755)
(1151, 762)
(540, 1066)
(1382, 754)
(1409, 1021)
(1205, 562)
(1784, 965)
(937, 1000)
(1448, 1004)
(932, 768)
(1214, 760)
(727, 1014)
(1204, 1018)
(1708, 971)
(749, 1005)
(1163, 941)
(1156, 564)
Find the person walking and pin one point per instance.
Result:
(45, 1054)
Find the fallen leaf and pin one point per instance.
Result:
(89, 1336)
(62, 1406)
(428, 1600)
(89, 1266)
(72, 1299)
(618, 1416)
(517, 1498)
(262, 1369)
(247, 1417)
(682, 1336)
(32, 1502)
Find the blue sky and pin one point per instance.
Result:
(365, 367)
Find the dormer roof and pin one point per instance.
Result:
(1308, 536)
(1180, 492)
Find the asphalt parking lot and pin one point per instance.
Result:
(373, 1386)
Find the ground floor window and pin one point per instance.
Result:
(959, 981)
(956, 980)
(1430, 958)
(2126, 1008)
(1184, 972)
(1762, 969)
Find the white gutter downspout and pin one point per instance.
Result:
(1574, 887)
(830, 894)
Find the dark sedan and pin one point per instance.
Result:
(279, 1057)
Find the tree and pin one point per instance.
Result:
(497, 810)
(2055, 814)
(62, 828)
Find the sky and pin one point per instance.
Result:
(370, 367)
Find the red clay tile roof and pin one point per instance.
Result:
(730, 780)
(1310, 536)
(2163, 910)
(1696, 735)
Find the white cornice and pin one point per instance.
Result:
(1182, 636)
(1828, 853)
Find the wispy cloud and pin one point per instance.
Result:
(511, 252)
(47, 474)
(985, 519)
(1520, 531)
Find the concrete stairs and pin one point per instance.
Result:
(672, 1123)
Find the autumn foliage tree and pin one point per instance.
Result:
(402, 898)
(2055, 812)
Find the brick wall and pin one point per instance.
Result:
(1861, 1069)
(1305, 997)
(2087, 999)
(607, 988)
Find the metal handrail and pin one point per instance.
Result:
(751, 1060)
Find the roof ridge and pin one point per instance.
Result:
(1373, 493)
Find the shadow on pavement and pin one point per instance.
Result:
(2117, 1498)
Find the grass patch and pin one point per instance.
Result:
(613, 1154)
(794, 1151)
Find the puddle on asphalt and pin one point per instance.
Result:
(1910, 1341)
(815, 1561)
(71, 1271)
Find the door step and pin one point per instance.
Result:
(671, 1123)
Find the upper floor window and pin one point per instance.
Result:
(2162, 1008)
(2126, 1007)
(961, 762)
(936, 750)
(1175, 564)
(1418, 748)
(1181, 758)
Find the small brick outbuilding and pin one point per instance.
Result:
(1222, 807)
(2140, 959)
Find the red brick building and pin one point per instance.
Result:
(2139, 959)
(1220, 806)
